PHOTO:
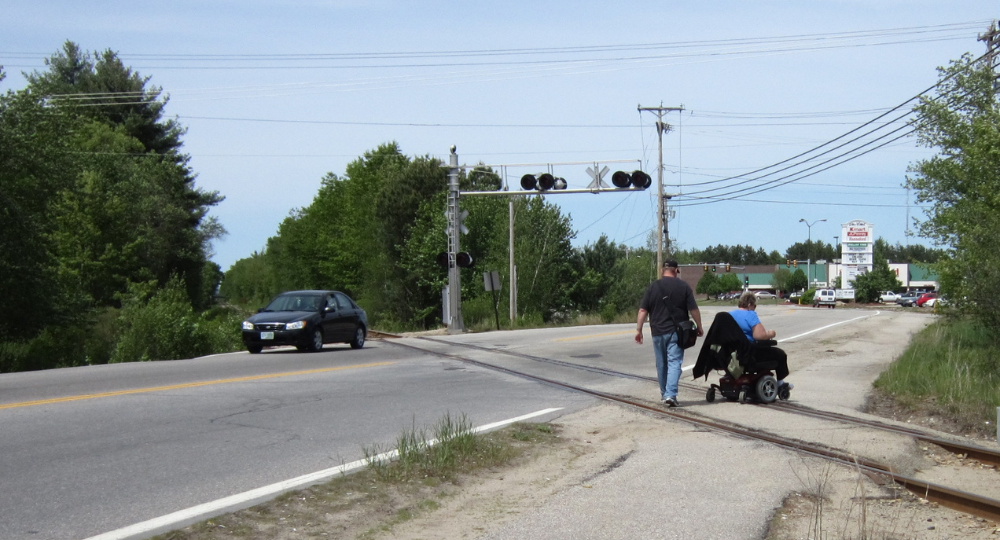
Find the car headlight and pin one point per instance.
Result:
(297, 325)
(247, 325)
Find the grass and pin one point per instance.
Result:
(951, 369)
(387, 493)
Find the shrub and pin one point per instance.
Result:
(159, 325)
(807, 297)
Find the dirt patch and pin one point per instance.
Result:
(579, 449)
(929, 414)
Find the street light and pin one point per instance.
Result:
(809, 248)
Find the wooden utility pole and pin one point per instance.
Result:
(661, 216)
(992, 40)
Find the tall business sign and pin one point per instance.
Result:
(857, 251)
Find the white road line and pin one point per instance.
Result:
(246, 499)
(829, 326)
(809, 332)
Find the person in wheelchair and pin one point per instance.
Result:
(745, 315)
(746, 353)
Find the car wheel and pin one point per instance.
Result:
(316, 343)
(359, 338)
(255, 349)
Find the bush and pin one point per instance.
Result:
(951, 368)
(807, 297)
(159, 325)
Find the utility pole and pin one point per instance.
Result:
(661, 218)
(992, 40)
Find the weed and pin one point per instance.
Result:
(951, 368)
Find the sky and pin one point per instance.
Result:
(275, 95)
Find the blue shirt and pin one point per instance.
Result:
(747, 320)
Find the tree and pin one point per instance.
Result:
(738, 254)
(868, 286)
(781, 279)
(595, 271)
(729, 282)
(37, 164)
(126, 146)
(798, 281)
(814, 250)
(101, 87)
(708, 285)
(961, 185)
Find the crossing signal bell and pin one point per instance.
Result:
(542, 182)
(639, 179)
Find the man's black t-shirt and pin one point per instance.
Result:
(664, 292)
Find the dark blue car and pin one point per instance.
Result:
(307, 320)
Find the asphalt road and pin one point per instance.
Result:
(90, 450)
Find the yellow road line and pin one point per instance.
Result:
(595, 335)
(185, 385)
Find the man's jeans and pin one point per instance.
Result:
(669, 357)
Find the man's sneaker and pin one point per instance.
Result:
(671, 402)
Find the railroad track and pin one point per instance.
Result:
(970, 503)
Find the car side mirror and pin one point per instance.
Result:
(329, 309)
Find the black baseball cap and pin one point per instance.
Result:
(670, 263)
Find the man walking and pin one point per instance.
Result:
(667, 301)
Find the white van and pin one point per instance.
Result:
(825, 297)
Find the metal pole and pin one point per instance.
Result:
(510, 248)
(455, 324)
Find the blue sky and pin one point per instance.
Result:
(276, 94)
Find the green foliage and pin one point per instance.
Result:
(159, 324)
(455, 447)
(807, 297)
(708, 285)
(952, 368)
(797, 281)
(868, 286)
(961, 187)
(781, 279)
(738, 254)
(95, 195)
(596, 271)
(813, 250)
(910, 253)
(730, 282)
(636, 271)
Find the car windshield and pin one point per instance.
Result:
(297, 302)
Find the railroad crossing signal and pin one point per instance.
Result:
(542, 182)
(597, 177)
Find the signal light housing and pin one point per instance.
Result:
(637, 179)
(542, 182)
(463, 260)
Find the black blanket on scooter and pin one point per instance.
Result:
(724, 338)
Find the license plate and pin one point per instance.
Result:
(267, 335)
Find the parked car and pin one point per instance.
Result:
(924, 298)
(307, 320)
(888, 296)
(908, 299)
(761, 295)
